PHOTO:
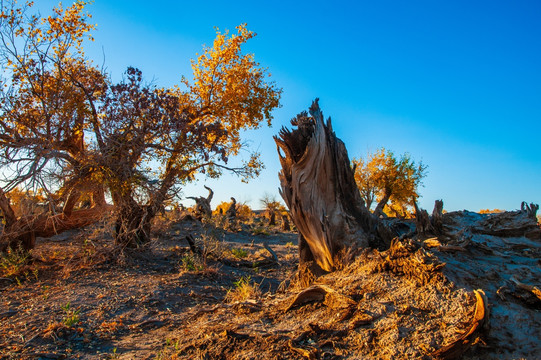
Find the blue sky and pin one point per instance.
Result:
(457, 84)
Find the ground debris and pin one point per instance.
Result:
(458, 347)
(417, 300)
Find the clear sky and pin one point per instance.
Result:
(457, 84)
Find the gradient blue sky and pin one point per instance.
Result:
(457, 84)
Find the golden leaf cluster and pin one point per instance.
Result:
(383, 177)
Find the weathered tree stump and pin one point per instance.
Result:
(422, 221)
(318, 186)
(286, 226)
(437, 217)
(231, 212)
(272, 218)
(531, 209)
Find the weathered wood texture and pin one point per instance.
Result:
(422, 221)
(318, 186)
(437, 217)
(22, 231)
(231, 212)
(202, 204)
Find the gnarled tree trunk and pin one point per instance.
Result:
(202, 205)
(318, 186)
(22, 231)
(378, 211)
(133, 225)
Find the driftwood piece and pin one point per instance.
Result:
(455, 349)
(202, 204)
(533, 289)
(530, 295)
(318, 187)
(269, 249)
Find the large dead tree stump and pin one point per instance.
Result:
(318, 187)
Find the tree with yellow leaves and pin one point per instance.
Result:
(383, 177)
(66, 126)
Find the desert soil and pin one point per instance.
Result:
(79, 299)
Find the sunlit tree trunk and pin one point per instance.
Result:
(318, 186)
(378, 211)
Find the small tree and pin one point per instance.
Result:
(383, 177)
(188, 131)
(273, 208)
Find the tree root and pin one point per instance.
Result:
(455, 349)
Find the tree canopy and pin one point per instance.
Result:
(383, 177)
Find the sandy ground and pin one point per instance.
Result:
(79, 300)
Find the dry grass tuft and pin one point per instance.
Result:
(244, 289)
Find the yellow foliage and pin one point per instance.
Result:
(222, 208)
(25, 202)
(488, 211)
(63, 116)
(383, 177)
(244, 212)
(230, 86)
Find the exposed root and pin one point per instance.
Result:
(321, 293)
(480, 319)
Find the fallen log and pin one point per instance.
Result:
(22, 231)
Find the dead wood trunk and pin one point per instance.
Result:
(132, 226)
(437, 217)
(285, 223)
(422, 221)
(22, 232)
(531, 209)
(272, 217)
(231, 212)
(202, 205)
(318, 187)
